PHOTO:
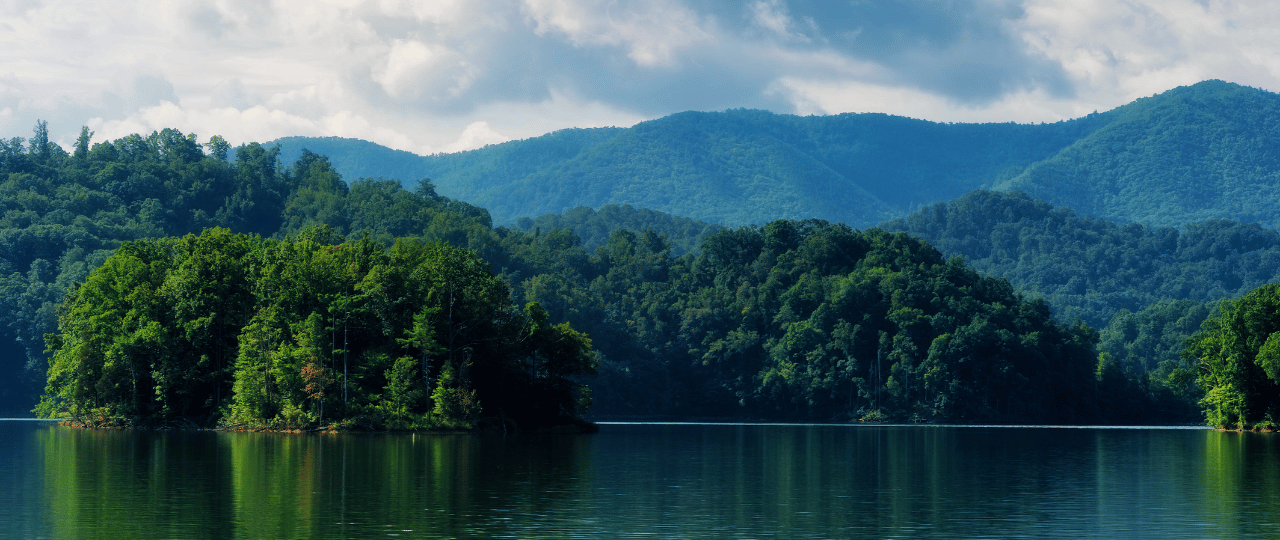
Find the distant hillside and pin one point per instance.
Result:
(594, 227)
(355, 159)
(1092, 268)
(1207, 151)
(734, 167)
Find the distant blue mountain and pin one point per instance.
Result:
(1190, 154)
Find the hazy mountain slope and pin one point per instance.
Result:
(594, 227)
(907, 162)
(1092, 268)
(455, 174)
(719, 176)
(732, 167)
(355, 159)
(1207, 151)
(744, 166)
(1191, 154)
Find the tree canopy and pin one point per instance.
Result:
(199, 282)
(1237, 358)
(235, 330)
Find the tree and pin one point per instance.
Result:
(82, 143)
(40, 141)
(1236, 354)
(218, 147)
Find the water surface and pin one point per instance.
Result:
(642, 481)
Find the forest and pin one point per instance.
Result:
(794, 320)
(287, 334)
(1091, 268)
(1148, 289)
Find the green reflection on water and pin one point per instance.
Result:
(115, 484)
(129, 484)
(692, 481)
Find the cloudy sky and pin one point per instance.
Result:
(441, 75)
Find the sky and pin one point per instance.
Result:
(444, 76)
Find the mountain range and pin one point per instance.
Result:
(1193, 153)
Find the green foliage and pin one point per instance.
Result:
(1151, 340)
(1091, 268)
(62, 215)
(235, 329)
(1193, 153)
(593, 227)
(1235, 354)
(372, 305)
(818, 322)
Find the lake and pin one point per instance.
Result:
(643, 481)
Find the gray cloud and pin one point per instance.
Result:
(232, 93)
(429, 75)
(966, 50)
(131, 94)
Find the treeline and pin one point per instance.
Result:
(238, 331)
(1091, 268)
(593, 227)
(795, 320)
(63, 213)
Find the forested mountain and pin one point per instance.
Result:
(1187, 155)
(1195, 153)
(1091, 268)
(1147, 288)
(735, 167)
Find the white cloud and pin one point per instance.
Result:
(1120, 51)
(834, 97)
(476, 135)
(413, 69)
(653, 33)
(443, 75)
(772, 16)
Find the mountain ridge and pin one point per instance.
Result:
(1189, 154)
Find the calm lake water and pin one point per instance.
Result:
(645, 481)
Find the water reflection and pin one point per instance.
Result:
(651, 480)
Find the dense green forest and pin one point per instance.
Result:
(793, 320)
(1091, 268)
(813, 321)
(236, 330)
(1148, 289)
(1191, 154)
(593, 227)
(66, 212)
